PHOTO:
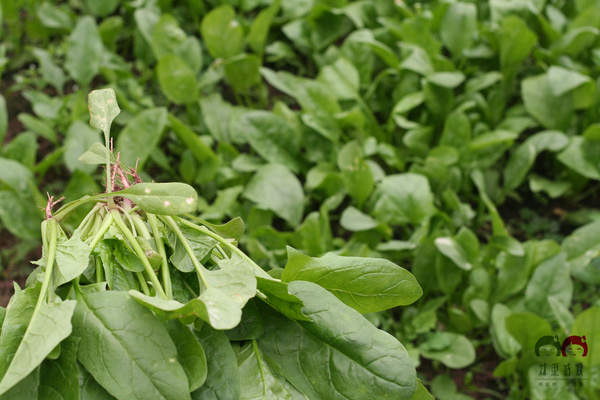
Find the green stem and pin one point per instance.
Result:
(160, 247)
(143, 284)
(106, 223)
(199, 268)
(260, 365)
(140, 253)
(259, 271)
(99, 272)
(53, 238)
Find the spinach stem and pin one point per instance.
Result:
(106, 223)
(259, 271)
(199, 268)
(160, 247)
(52, 241)
(99, 272)
(143, 284)
(260, 365)
(140, 253)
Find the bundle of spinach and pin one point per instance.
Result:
(145, 301)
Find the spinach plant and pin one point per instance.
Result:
(143, 300)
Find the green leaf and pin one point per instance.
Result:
(189, 353)
(234, 278)
(29, 335)
(167, 36)
(201, 245)
(454, 251)
(89, 389)
(458, 27)
(127, 257)
(59, 379)
(587, 324)
(258, 381)
(271, 136)
(222, 33)
(356, 173)
(582, 247)
(19, 215)
(104, 109)
(504, 343)
(176, 79)
(451, 349)
(223, 377)
(172, 198)
(72, 258)
(421, 393)
(581, 156)
(338, 340)
(141, 135)
(527, 329)
(123, 342)
(365, 284)
(274, 187)
(242, 72)
(404, 198)
(213, 306)
(79, 138)
(28, 388)
(257, 37)
(84, 51)
(250, 327)
(551, 278)
(277, 295)
(354, 220)
(102, 8)
(516, 43)
(552, 112)
(96, 154)
(341, 78)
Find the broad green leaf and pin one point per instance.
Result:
(172, 198)
(102, 8)
(127, 257)
(421, 393)
(527, 328)
(96, 154)
(140, 136)
(223, 376)
(89, 389)
(72, 258)
(201, 245)
(354, 220)
(587, 324)
(38, 126)
(451, 349)
(457, 130)
(504, 343)
(17, 177)
(28, 388)
(552, 112)
(54, 17)
(222, 33)
(516, 42)
(79, 138)
(259, 30)
(123, 342)
(551, 278)
(356, 173)
(258, 381)
(271, 136)
(167, 36)
(561, 313)
(458, 27)
(242, 72)
(448, 80)
(341, 78)
(234, 278)
(365, 284)
(454, 251)
(404, 198)
(59, 379)
(103, 109)
(29, 335)
(274, 187)
(176, 79)
(582, 247)
(275, 293)
(84, 52)
(581, 156)
(19, 215)
(213, 306)
(338, 340)
(189, 352)
(562, 80)
(250, 327)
